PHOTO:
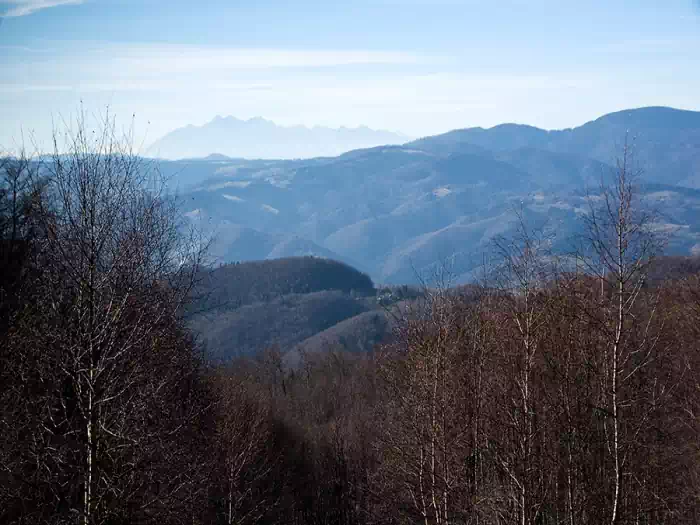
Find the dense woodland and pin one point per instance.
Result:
(561, 390)
(234, 285)
(237, 309)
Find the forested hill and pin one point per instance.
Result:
(232, 285)
(244, 308)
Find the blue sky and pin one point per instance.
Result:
(416, 66)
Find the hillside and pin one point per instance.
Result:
(282, 322)
(231, 286)
(241, 309)
(358, 334)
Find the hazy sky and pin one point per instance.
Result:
(416, 66)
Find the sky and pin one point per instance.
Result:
(419, 67)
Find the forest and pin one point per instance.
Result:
(559, 389)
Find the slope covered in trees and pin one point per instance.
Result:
(234, 285)
(240, 309)
(358, 334)
(282, 322)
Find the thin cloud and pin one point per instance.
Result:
(122, 86)
(188, 59)
(17, 8)
(130, 59)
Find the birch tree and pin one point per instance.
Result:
(427, 418)
(242, 448)
(622, 244)
(100, 358)
(521, 280)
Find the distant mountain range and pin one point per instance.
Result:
(258, 138)
(666, 141)
(400, 213)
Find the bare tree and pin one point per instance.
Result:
(622, 244)
(242, 447)
(427, 417)
(101, 347)
(521, 280)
